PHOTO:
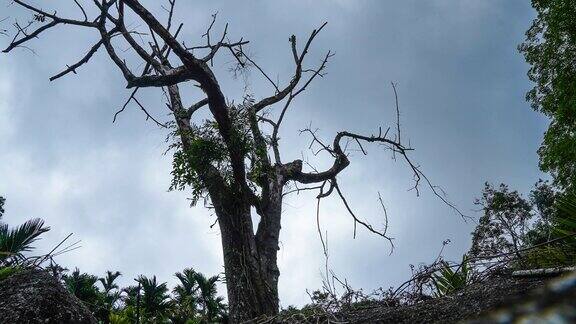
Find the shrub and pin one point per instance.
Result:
(447, 280)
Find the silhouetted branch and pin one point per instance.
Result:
(72, 68)
(196, 106)
(292, 95)
(241, 54)
(81, 9)
(397, 111)
(298, 59)
(369, 227)
(148, 116)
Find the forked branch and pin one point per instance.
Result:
(298, 60)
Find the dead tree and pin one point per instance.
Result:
(234, 159)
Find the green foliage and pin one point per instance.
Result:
(546, 241)
(504, 222)
(561, 231)
(120, 318)
(185, 296)
(56, 270)
(83, 286)
(6, 272)
(110, 294)
(154, 302)
(14, 242)
(566, 221)
(212, 306)
(196, 298)
(207, 152)
(205, 149)
(447, 280)
(550, 49)
(548, 256)
(565, 225)
(108, 281)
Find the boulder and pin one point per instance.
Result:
(35, 296)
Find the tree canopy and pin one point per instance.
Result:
(550, 49)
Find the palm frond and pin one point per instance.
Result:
(108, 281)
(16, 241)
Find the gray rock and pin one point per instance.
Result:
(34, 296)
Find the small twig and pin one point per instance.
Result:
(357, 220)
(397, 111)
(148, 116)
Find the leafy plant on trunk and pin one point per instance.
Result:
(233, 160)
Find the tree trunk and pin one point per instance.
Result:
(249, 264)
(249, 260)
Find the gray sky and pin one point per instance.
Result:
(461, 85)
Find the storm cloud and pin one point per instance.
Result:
(461, 85)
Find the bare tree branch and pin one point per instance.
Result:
(16, 43)
(54, 17)
(72, 68)
(247, 58)
(81, 9)
(196, 106)
(298, 74)
(359, 221)
(234, 48)
(148, 116)
(397, 111)
(155, 25)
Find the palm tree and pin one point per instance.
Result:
(131, 309)
(111, 292)
(108, 281)
(83, 286)
(14, 242)
(185, 296)
(131, 294)
(155, 300)
(56, 270)
(213, 307)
